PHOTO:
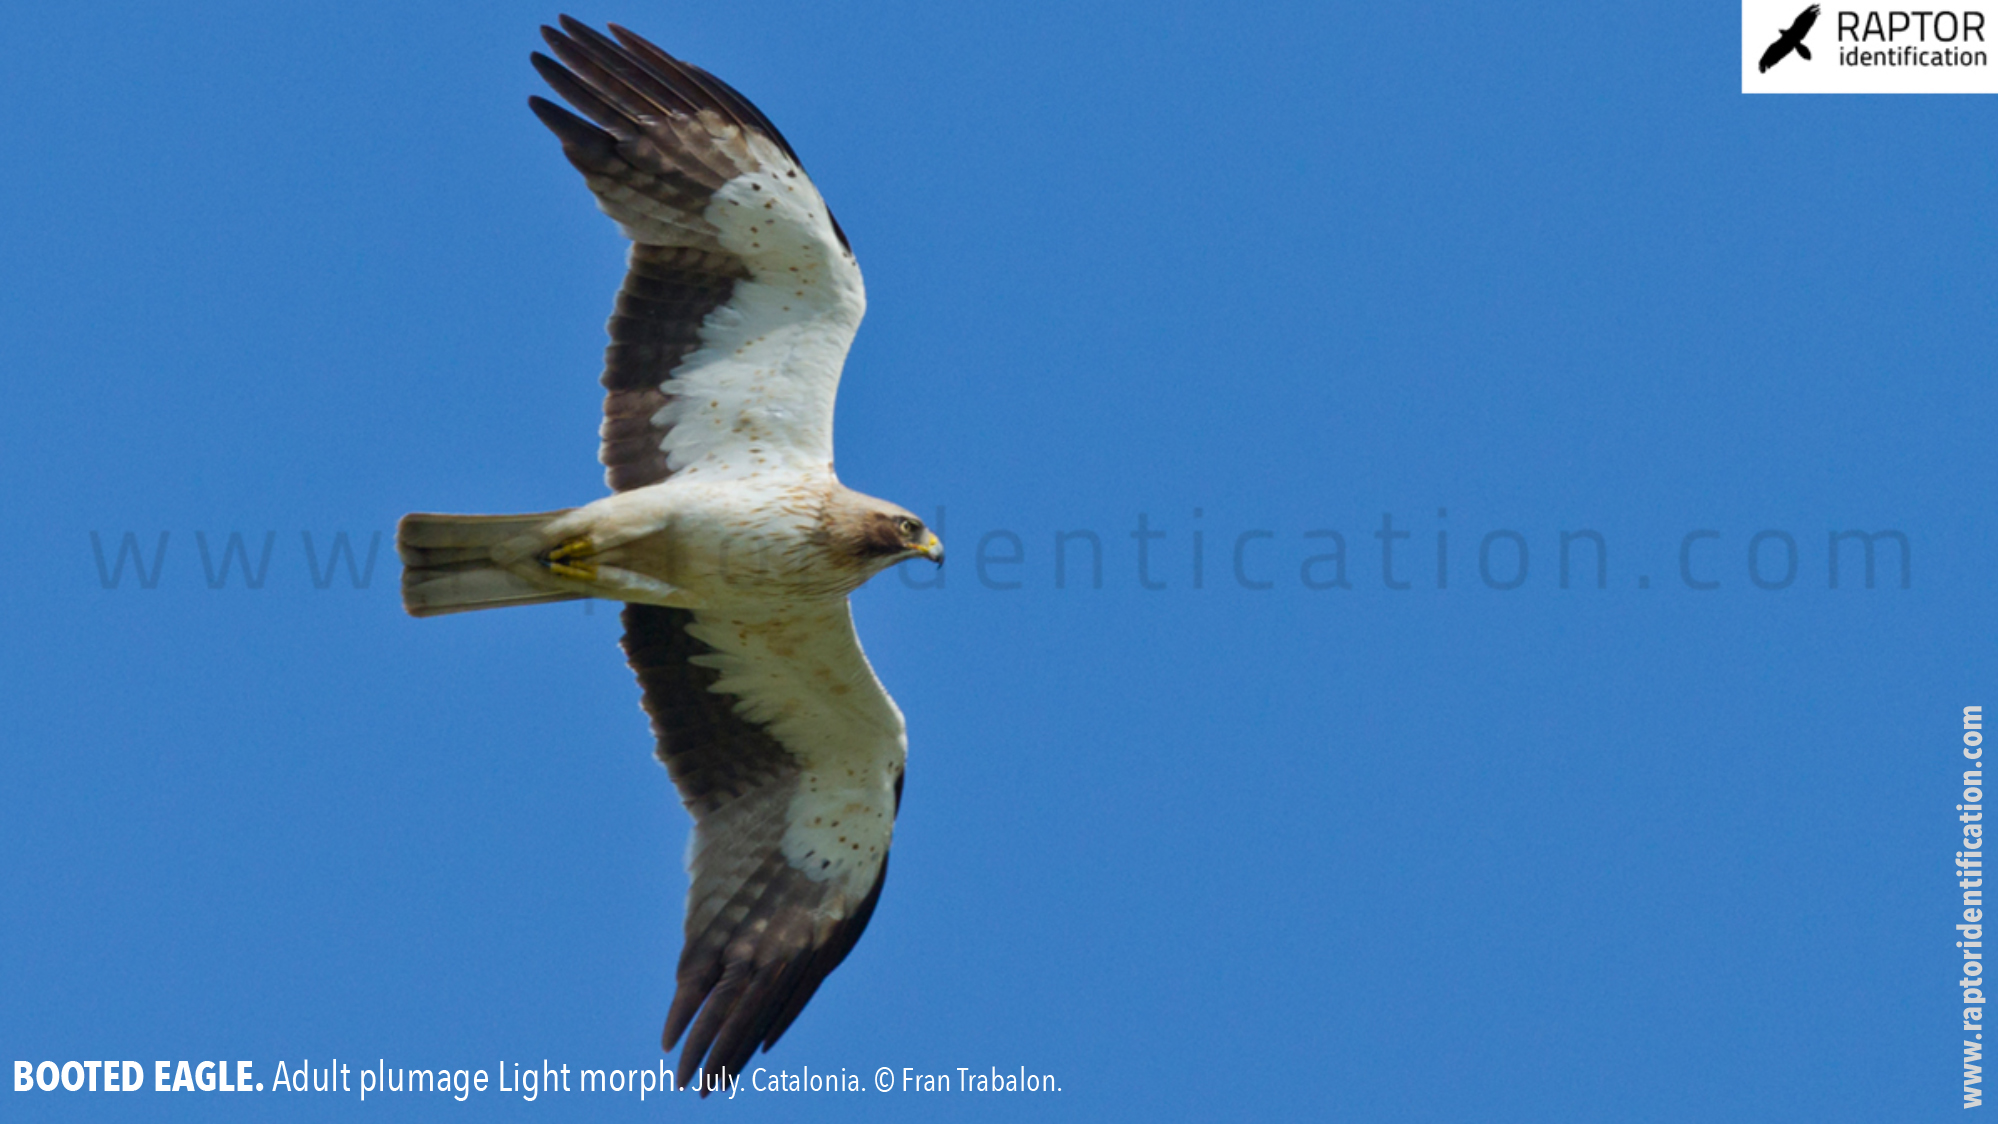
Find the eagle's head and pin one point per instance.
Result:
(876, 534)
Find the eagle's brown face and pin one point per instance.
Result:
(879, 533)
(899, 534)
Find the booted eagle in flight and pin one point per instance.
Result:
(726, 533)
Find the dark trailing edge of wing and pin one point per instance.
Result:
(748, 970)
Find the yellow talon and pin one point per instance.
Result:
(564, 561)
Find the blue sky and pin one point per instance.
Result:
(1640, 852)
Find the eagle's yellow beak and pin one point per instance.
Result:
(931, 547)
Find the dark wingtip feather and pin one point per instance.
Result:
(564, 124)
(719, 95)
(587, 147)
(686, 1001)
(735, 1043)
(589, 36)
(578, 93)
(721, 1002)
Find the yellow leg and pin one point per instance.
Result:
(574, 548)
(566, 561)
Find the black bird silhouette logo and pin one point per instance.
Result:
(1791, 40)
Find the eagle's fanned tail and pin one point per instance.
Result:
(448, 566)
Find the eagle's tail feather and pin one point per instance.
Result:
(448, 563)
(1804, 51)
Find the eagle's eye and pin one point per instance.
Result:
(909, 528)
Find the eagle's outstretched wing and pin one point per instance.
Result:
(788, 752)
(742, 296)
